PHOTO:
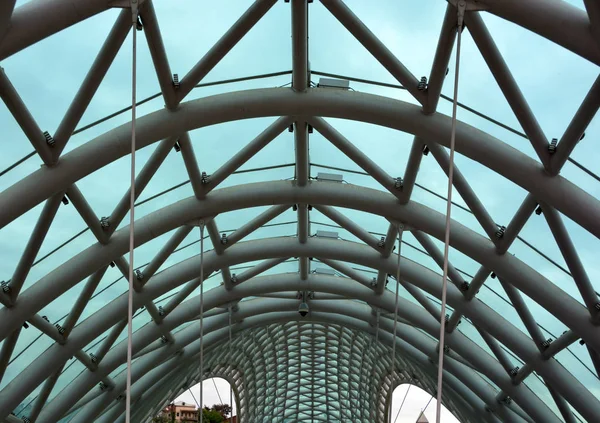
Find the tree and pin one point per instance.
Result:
(223, 409)
(161, 419)
(211, 416)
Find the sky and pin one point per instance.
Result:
(47, 76)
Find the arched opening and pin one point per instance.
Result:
(218, 400)
(411, 404)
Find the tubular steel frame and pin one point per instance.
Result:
(282, 365)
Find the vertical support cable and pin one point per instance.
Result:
(201, 320)
(134, 13)
(393, 369)
(461, 11)
(230, 384)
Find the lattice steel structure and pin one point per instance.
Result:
(334, 364)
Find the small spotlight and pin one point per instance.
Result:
(493, 275)
(65, 200)
(138, 24)
(425, 150)
(177, 147)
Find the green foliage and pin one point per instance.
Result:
(161, 419)
(211, 416)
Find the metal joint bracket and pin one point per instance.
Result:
(105, 222)
(422, 85)
(381, 242)
(176, 83)
(5, 287)
(552, 146)
(234, 279)
(398, 183)
(465, 286)
(49, 139)
(204, 178)
(514, 371)
(546, 343)
(500, 231)
(139, 275)
(224, 238)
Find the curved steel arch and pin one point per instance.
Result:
(564, 307)
(264, 308)
(576, 32)
(471, 142)
(421, 342)
(550, 369)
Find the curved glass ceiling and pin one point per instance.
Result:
(302, 190)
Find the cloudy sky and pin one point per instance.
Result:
(48, 74)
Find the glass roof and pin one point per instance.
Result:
(531, 302)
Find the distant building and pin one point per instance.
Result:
(185, 413)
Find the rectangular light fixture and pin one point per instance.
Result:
(340, 84)
(327, 234)
(331, 177)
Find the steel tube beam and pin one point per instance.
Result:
(412, 169)
(191, 164)
(575, 130)
(110, 340)
(87, 213)
(497, 350)
(595, 359)
(569, 253)
(508, 85)
(210, 339)
(141, 181)
(42, 397)
(351, 226)
(443, 51)
(92, 81)
(354, 154)
(299, 45)
(247, 152)
(339, 308)
(165, 252)
(234, 34)
(348, 271)
(561, 22)
(213, 232)
(259, 268)
(375, 47)
(286, 284)
(303, 222)
(562, 405)
(528, 320)
(466, 192)
(7, 349)
(6, 11)
(19, 110)
(517, 223)
(26, 23)
(32, 248)
(263, 218)
(301, 152)
(390, 240)
(559, 344)
(82, 300)
(511, 269)
(515, 166)
(437, 256)
(158, 53)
